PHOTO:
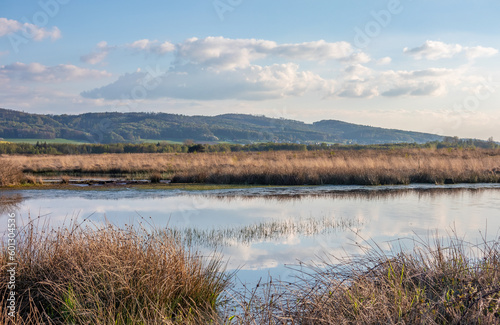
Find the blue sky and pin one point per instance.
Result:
(430, 66)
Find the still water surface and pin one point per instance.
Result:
(263, 231)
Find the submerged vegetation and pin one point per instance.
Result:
(342, 167)
(264, 231)
(107, 275)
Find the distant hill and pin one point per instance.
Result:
(238, 128)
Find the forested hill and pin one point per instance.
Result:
(238, 128)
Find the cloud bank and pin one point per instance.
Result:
(10, 26)
(217, 68)
(435, 50)
(41, 73)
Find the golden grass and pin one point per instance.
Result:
(364, 167)
(10, 173)
(435, 284)
(106, 275)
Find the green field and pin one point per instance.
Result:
(34, 141)
(156, 141)
(180, 141)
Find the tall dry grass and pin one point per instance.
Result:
(10, 173)
(454, 284)
(364, 167)
(107, 275)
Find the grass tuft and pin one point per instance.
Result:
(155, 177)
(65, 179)
(10, 173)
(434, 284)
(107, 275)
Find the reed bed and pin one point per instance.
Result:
(263, 231)
(10, 173)
(106, 275)
(362, 167)
(457, 283)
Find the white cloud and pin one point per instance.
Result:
(415, 89)
(384, 61)
(251, 83)
(316, 51)
(221, 53)
(10, 26)
(357, 58)
(224, 53)
(428, 82)
(479, 51)
(435, 50)
(41, 96)
(431, 72)
(357, 90)
(99, 55)
(281, 81)
(41, 73)
(94, 57)
(151, 46)
(357, 72)
(218, 68)
(358, 81)
(221, 68)
(144, 45)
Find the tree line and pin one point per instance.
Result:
(164, 147)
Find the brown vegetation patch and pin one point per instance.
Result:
(434, 284)
(107, 275)
(362, 167)
(10, 173)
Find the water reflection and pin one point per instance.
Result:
(373, 193)
(271, 231)
(10, 203)
(266, 228)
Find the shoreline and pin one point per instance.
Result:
(82, 186)
(285, 168)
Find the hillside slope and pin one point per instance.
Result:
(239, 128)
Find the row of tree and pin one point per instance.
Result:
(189, 147)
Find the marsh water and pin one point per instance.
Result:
(267, 231)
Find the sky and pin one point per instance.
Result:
(428, 65)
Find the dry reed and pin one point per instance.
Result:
(454, 284)
(363, 167)
(10, 173)
(106, 275)
(113, 276)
